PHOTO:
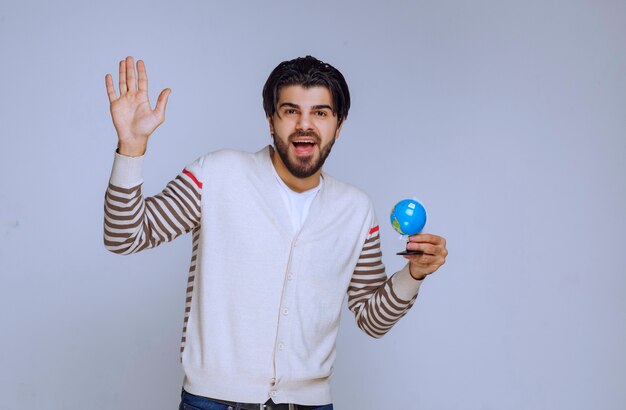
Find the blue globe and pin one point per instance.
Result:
(408, 217)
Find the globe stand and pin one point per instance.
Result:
(410, 253)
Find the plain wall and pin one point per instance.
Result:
(507, 119)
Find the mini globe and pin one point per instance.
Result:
(408, 217)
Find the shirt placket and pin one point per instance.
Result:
(286, 317)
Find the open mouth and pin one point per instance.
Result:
(304, 147)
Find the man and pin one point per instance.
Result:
(277, 244)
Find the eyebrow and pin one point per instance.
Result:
(315, 107)
(322, 106)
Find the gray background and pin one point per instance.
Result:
(507, 119)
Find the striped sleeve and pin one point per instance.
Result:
(190, 284)
(379, 302)
(133, 223)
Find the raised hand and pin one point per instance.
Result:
(133, 118)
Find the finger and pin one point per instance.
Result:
(426, 261)
(423, 260)
(108, 79)
(123, 87)
(427, 248)
(162, 103)
(426, 237)
(130, 74)
(142, 76)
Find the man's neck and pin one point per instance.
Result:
(294, 183)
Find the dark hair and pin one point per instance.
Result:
(308, 72)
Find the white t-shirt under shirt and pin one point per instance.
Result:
(298, 203)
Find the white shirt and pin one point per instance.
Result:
(298, 203)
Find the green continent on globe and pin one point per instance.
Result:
(396, 225)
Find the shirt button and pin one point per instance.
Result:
(281, 346)
(285, 311)
(273, 380)
(290, 276)
(273, 393)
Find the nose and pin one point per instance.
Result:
(304, 122)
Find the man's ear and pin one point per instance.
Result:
(271, 122)
(338, 130)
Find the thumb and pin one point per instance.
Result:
(162, 103)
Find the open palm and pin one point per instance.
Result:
(133, 118)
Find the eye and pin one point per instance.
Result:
(321, 113)
(290, 111)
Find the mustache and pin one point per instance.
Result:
(312, 134)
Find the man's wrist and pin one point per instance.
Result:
(131, 150)
(422, 277)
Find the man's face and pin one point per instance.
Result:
(304, 128)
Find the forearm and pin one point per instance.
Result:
(379, 302)
(132, 223)
(387, 304)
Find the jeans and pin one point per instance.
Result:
(190, 401)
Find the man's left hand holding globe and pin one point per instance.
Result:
(435, 252)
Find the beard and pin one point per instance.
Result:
(302, 167)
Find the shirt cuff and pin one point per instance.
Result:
(127, 172)
(404, 285)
